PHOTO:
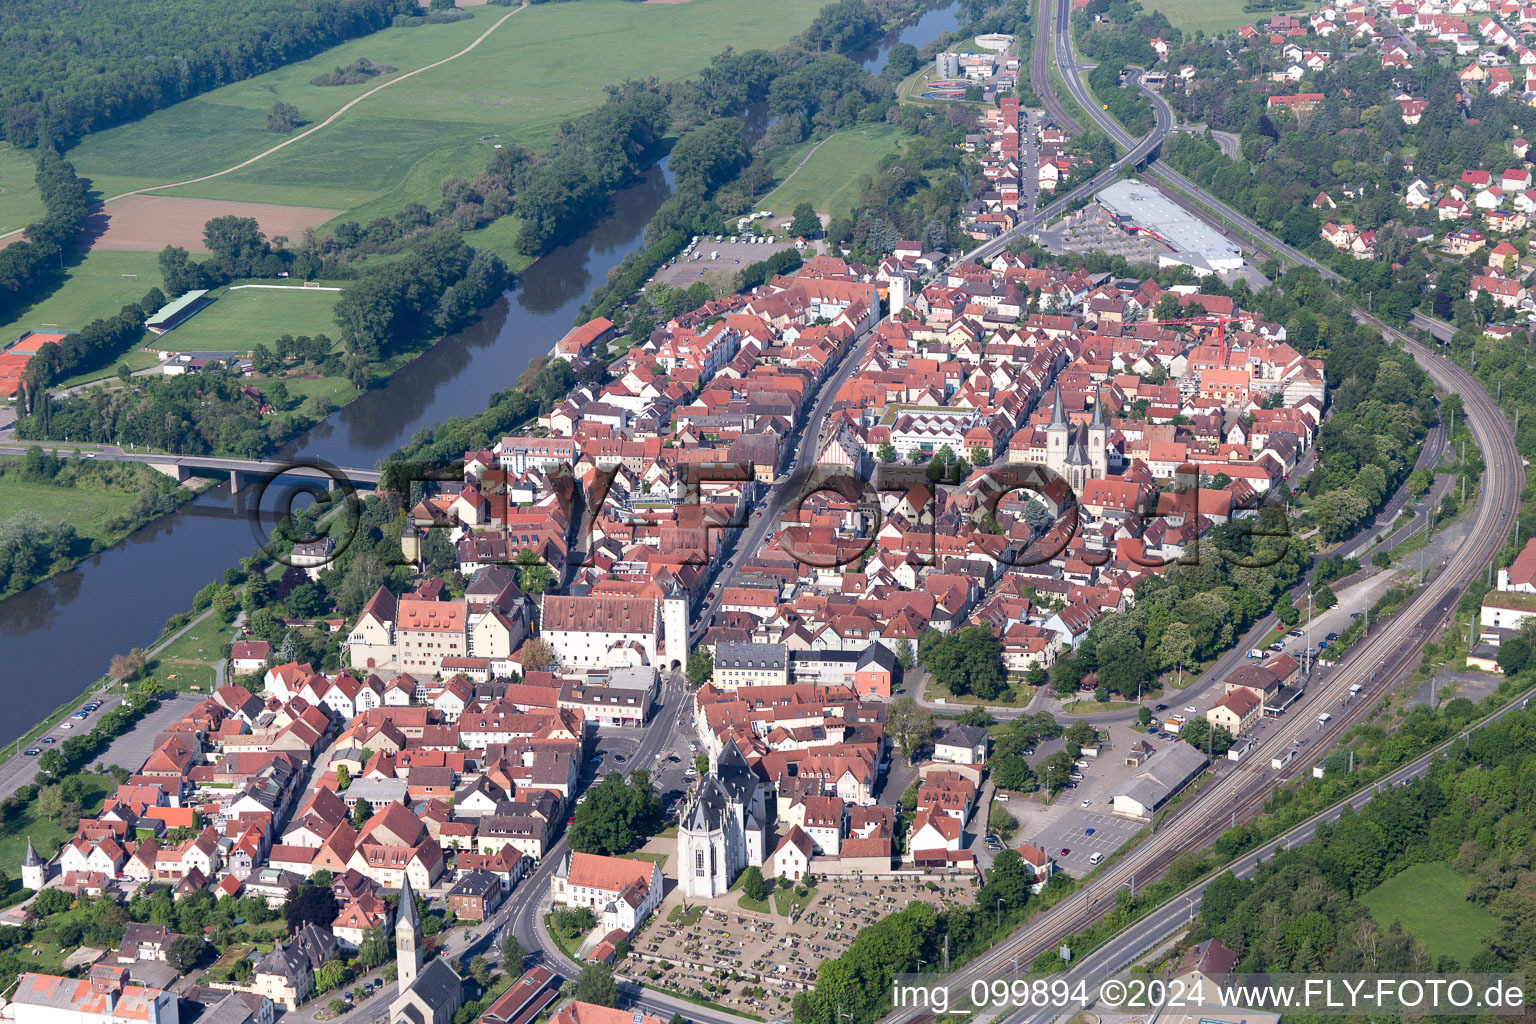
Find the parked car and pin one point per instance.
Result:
(1294, 632)
(48, 739)
(1003, 797)
(1066, 851)
(1082, 764)
(1331, 637)
(1277, 646)
(1191, 711)
(33, 751)
(1087, 831)
(1087, 803)
(596, 759)
(1095, 858)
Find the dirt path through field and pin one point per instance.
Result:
(310, 131)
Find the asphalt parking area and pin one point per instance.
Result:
(1070, 832)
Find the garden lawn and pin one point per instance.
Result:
(1430, 900)
(829, 180)
(87, 508)
(100, 285)
(548, 63)
(242, 318)
(46, 835)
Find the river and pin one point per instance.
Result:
(59, 636)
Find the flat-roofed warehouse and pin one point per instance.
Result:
(1141, 209)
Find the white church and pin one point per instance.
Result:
(724, 827)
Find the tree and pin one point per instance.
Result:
(752, 885)
(282, 118)
(310, 904)
(701, 666)
(595, 984)
(184, 953)
(539, 656)
(887, 452)
(374, 950)
(1324, 598)
(616, 815)
(513, 954)
(361, 812)
(805, 224)
(1011, 771)
(534, 576)
(910, 725)
(480, 970)
(966, 661)
(701, 764)
(1144, 715)
(343, 777)
(332, 974)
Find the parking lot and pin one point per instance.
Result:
(1063, 823)
(733, 256)
(1091, 230)
(1070, 833)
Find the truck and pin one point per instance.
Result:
(1173, 723)
(1255, 653)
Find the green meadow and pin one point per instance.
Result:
(545, 64)
(829, 179)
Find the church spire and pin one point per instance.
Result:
(1058, 417)
(1098, 410)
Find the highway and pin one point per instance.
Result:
(1373, 663)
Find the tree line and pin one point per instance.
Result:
(116, 62)
(25, 265)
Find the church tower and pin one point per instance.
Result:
(34, 870)
(1077, 467)
(1098, 439)
(1057, 436)
(408, 953)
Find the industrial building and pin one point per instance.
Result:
(1139, 209)
(947, 64)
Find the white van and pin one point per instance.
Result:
(1096, 858)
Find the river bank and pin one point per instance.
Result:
(166, 562)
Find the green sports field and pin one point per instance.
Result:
(829, 179)
(242, 318)
(546, 63)
(20, 202)
(98, 286)
(1430, 901)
